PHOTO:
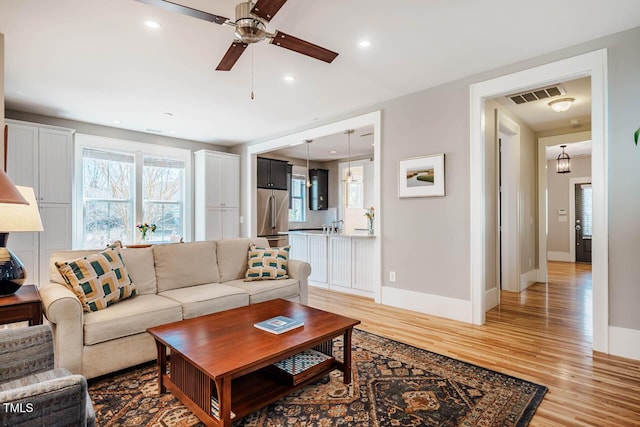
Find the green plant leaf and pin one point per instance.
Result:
(635, 135)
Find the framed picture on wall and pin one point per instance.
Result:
(421, 176)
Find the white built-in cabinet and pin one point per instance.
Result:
(41, 157)
(217, 195)
(317, 250)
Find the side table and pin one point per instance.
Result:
(24, 305)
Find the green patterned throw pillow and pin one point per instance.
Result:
(267, 263)
(98, 280)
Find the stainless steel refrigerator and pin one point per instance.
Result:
(273, 215)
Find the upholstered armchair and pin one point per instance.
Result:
(32, 392)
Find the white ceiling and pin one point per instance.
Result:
(540, 117)
(95, 61)
(573, 149)
(322, 149)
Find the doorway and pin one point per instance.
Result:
(581, 220)
(591, 64)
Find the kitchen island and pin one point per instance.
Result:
(339, 262)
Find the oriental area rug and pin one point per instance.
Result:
(394, 384)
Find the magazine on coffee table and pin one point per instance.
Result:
(278, 324)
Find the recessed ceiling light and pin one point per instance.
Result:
(332, 152)
(364, 43)
(117, 122)
(289, 78)
(152, 24)
(172, 131)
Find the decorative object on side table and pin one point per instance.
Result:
(144, 229)
(421, 176)
(15, 217)
(370, 214)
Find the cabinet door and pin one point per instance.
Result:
(230, 182)
(340, 271)
(213, 224)
(230, 223)
(317, 248)
(22, 156)
(25, 247)
(298, 250)
(278, 175)
(56, 222)
(363, 268)
(264, 172)
(213, 184)
(56, 168)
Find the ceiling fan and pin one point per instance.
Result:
(250, 25)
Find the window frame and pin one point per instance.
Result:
(304, 197)
(139, 150)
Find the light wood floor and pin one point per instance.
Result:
(542, 335)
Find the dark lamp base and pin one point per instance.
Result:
(12, 272)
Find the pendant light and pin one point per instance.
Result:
(308, 141)
(349, 175)
(563, 164)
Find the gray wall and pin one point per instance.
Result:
(426, 240)
(558, 198)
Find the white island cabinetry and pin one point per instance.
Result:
(343, 263)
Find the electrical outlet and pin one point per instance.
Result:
(392, 276)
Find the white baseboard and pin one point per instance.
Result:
(527, 279)
(559, 256)
(624, 342)
(491, 299)
(436, 305)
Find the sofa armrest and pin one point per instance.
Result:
(300, 270)
(25, 351)
(60, 401)
(64, 311)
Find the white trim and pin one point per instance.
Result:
(543, 214)
(624, 342)
(509, 133)
(572, 212)
(249, 168)
(491, 298)
(592, 64)
(527, 279)
(560, 256)
(435, 305)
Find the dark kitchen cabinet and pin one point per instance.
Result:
(289, 177)
(272, 174)
(319, 191)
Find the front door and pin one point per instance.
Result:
(583, 222)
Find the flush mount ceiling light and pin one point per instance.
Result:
(563, 164)
(562, 104)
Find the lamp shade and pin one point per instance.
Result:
(8, 192)
(17, 217)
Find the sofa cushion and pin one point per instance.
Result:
(260, 291)
(232, 256)
(129, 317)
(180, 265)
(206, 299)
(98, 280)
(267, 263)
(139, 263)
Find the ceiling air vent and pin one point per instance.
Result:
(536, 94)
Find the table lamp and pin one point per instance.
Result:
(15, 216)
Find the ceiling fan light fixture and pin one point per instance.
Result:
(562, 104)
(250, 30)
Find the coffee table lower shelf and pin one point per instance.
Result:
(250, 392)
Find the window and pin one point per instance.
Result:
(587, 207)
(121, 183)
(298, 211)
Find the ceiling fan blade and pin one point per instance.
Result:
(174, 7)
(298, 45)
(231, 57)
(267, 9)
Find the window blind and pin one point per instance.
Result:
(586, 206)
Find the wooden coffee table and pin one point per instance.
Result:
(223, 355)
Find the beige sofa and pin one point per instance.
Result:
(173, 282)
